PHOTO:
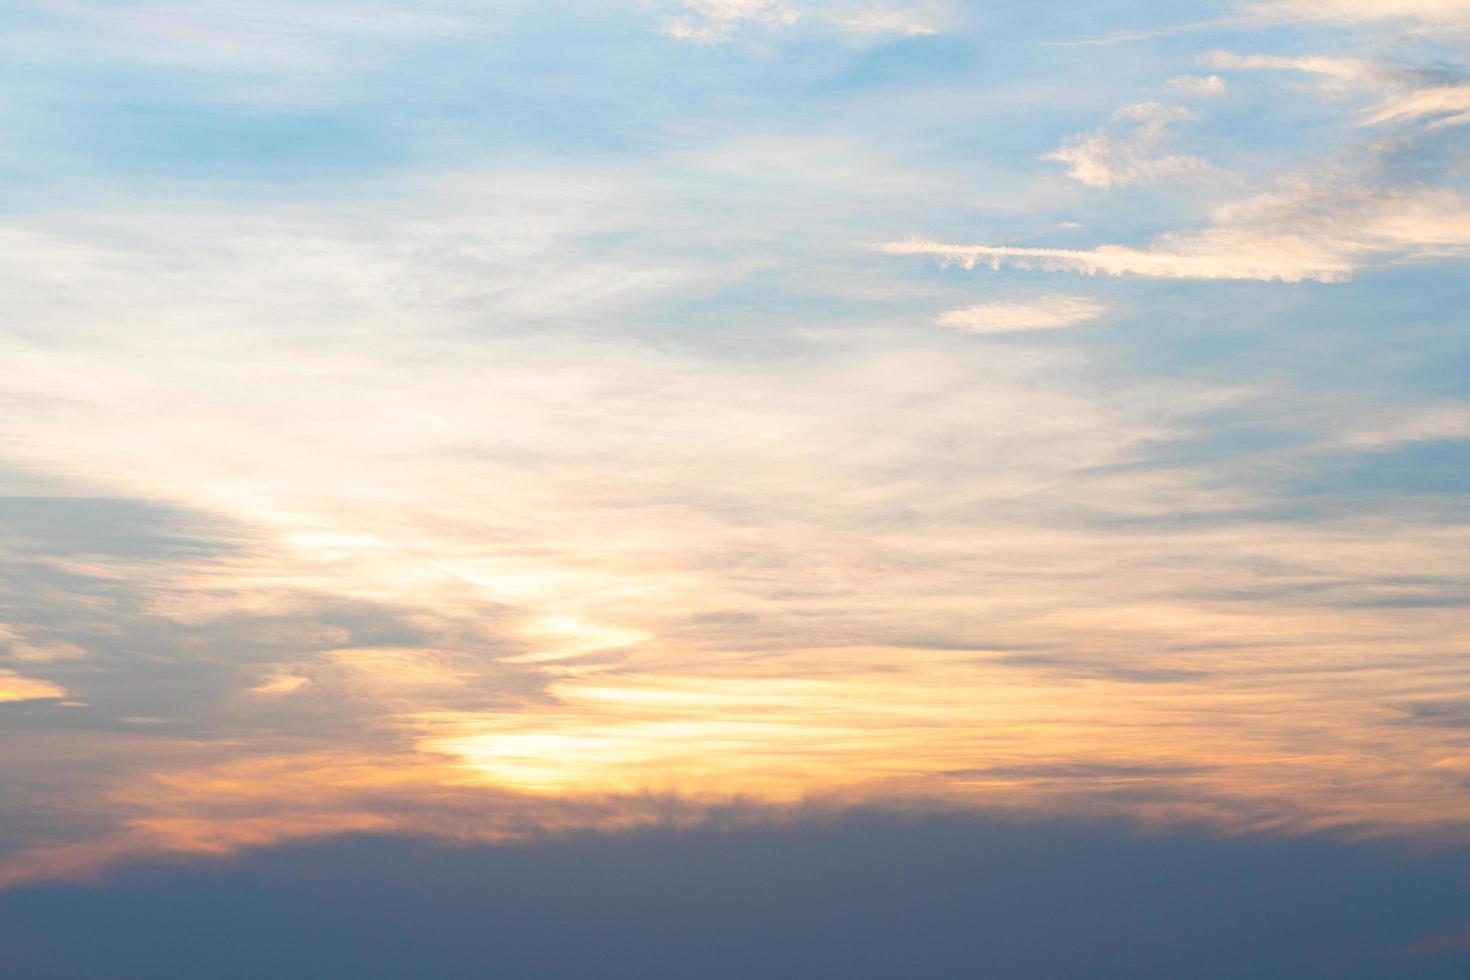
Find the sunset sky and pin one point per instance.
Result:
(641, 439)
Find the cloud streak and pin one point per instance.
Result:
(1045, 313)
(1305, 230)
(718, 21)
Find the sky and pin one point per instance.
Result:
(443, 439)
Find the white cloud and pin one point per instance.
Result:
(1305, 230)
(714, 21)
(709, 21)
(1128, 149)
(1443, 105)
(1355, 71)
(1406, 96)
(909, 20)
(1044, 313)
(1432, 12)
(1199, 86)
(1451, 421)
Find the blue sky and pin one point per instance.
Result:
(470, 421)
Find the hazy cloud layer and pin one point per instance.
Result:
(817, 896)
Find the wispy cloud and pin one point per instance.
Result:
(714, 21)
(1307, 229)
(265, 52)
(1044, 313)
(1449, 421)
(1199, 86)
(1441, 105)
(708, 21)
(1454, 13)
(904, 19)
(1129, 149)
(1342, 73)
(1405, 95)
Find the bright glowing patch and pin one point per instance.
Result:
(14, 687)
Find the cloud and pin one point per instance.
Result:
(1356, 71)
(1044, 313)
(708, 21)
(1128, 149)
(1442, 105)
(1320, 230)
(281, 684)
(1406, 95)
(482, 534)
(19, 647)
(14, 687)
(268, 51)
(1426, 424)
(1199, 86)
(714, 21)
(1452, 13)
(595, 475)
(911, 19)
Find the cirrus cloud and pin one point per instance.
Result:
(1438, 12)
(1043, 313)
(1405, 95)
(1305, 230)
